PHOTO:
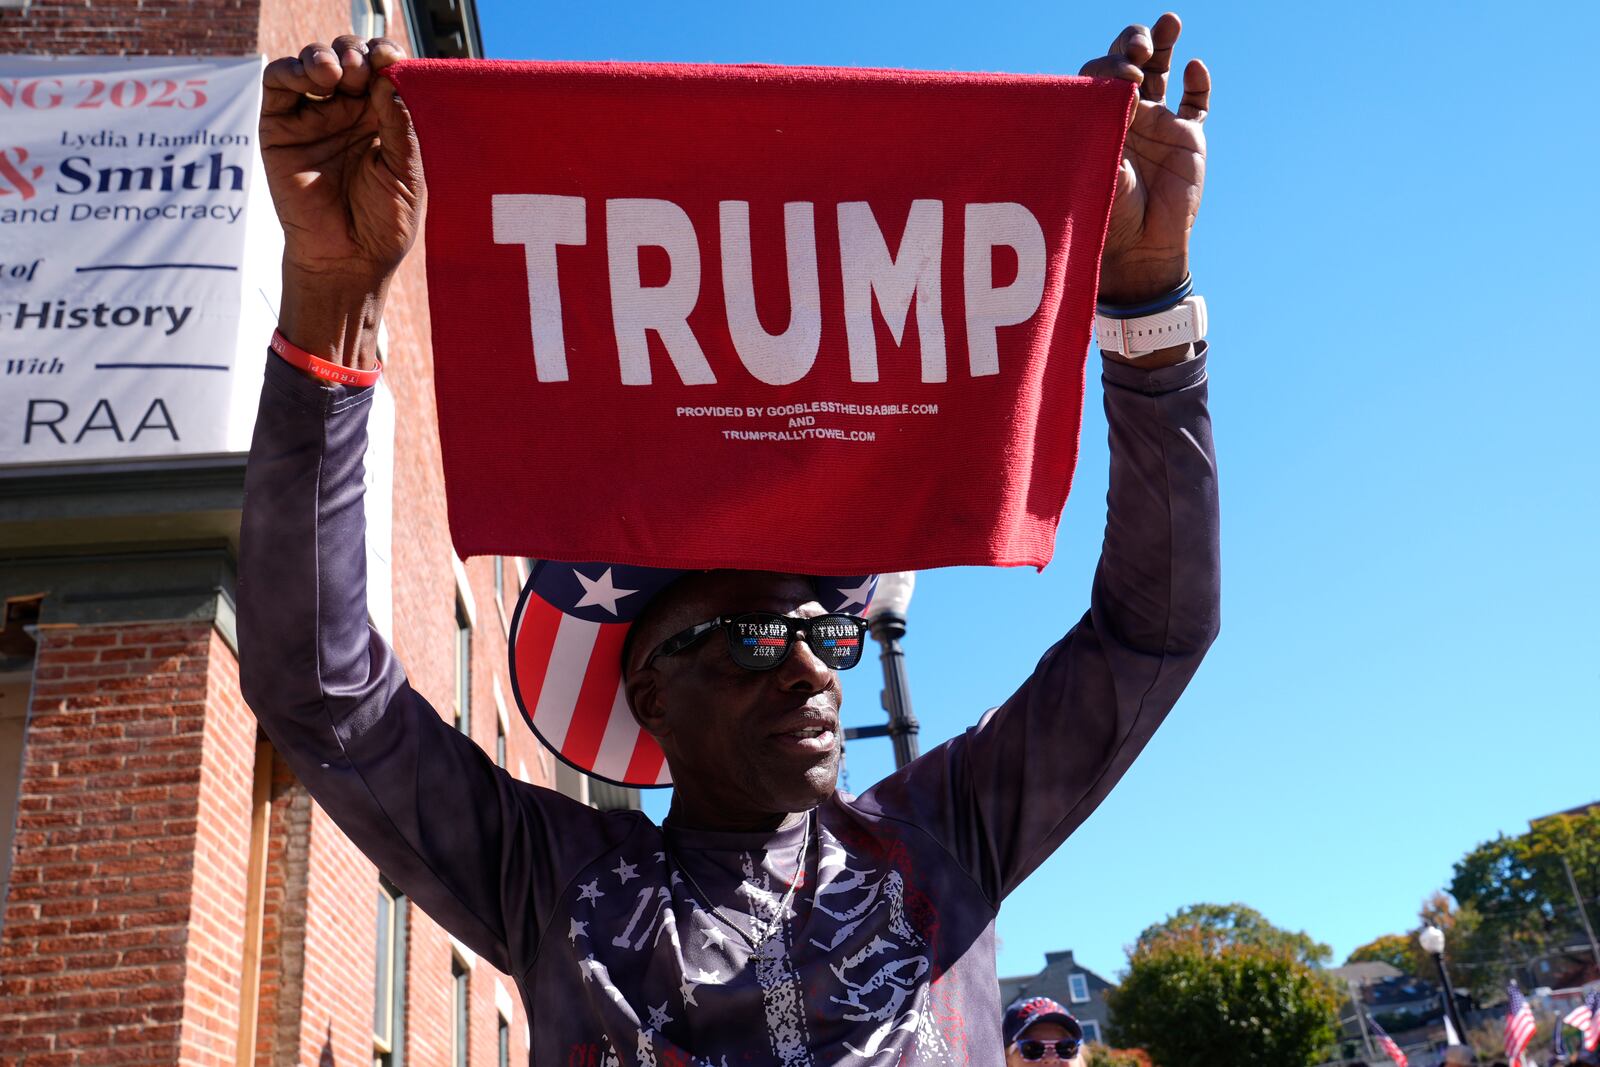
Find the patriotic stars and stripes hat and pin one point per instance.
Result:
(566, 646)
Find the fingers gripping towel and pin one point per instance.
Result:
(799, 319)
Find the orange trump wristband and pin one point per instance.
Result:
(318, 367)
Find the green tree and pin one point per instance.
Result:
(1517, 908)
(1219, 925)
(1220, 984)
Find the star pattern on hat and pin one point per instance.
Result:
(659, 1017)
(855, 595)
(625, 870)
(600, 592)
(590, 891)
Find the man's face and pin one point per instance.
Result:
(741, 744)
(1048, 1032)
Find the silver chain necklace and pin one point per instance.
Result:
(763, 934)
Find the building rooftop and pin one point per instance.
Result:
(1364, 973)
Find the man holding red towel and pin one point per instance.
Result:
(771, 919)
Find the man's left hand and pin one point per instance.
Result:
(1163, 166)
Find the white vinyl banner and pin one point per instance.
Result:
(138, 257)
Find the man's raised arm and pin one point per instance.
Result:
(479, 851)
(1004, 795)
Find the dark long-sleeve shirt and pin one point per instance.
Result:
(632, 943)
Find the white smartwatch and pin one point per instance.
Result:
(1181, 324)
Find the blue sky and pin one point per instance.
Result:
(1398, 242)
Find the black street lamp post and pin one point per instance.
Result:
(1432, 941)
(887, 620)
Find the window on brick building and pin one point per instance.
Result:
(459, 1029)
(500, 582)
(463, 669)
(389, 986)
(368, 19)
(18, 624)
(505, 1043)
(502, 725)
(572, 783)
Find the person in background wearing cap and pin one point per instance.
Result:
(771, 919)
(1040, 1029)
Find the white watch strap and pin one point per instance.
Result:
(1178, 325)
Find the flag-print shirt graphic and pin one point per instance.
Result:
(630, 943)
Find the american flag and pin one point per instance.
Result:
(566, 661)
(1519, 1026)
(1390, 1049)
(1586, 1017)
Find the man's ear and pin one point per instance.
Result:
(644, 700)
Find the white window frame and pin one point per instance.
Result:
(462, 697)
(503, 722)
(503, 568)
(1091, 1030)
(1078, 987)
(464, 589)
(503, 1006)
(460, 1043)
(502, 1002)
(374, 21)
(383, 1038)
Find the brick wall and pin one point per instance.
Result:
(100, 918)
(219, 852)
(122, 936)
(132, 27)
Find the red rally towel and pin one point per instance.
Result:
(801, 319)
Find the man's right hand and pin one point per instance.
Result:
(345, 171)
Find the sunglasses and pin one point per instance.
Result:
(1033, 1051)
(761, 640)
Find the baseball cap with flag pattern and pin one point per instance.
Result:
(566, 646)
(1023, 1013)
